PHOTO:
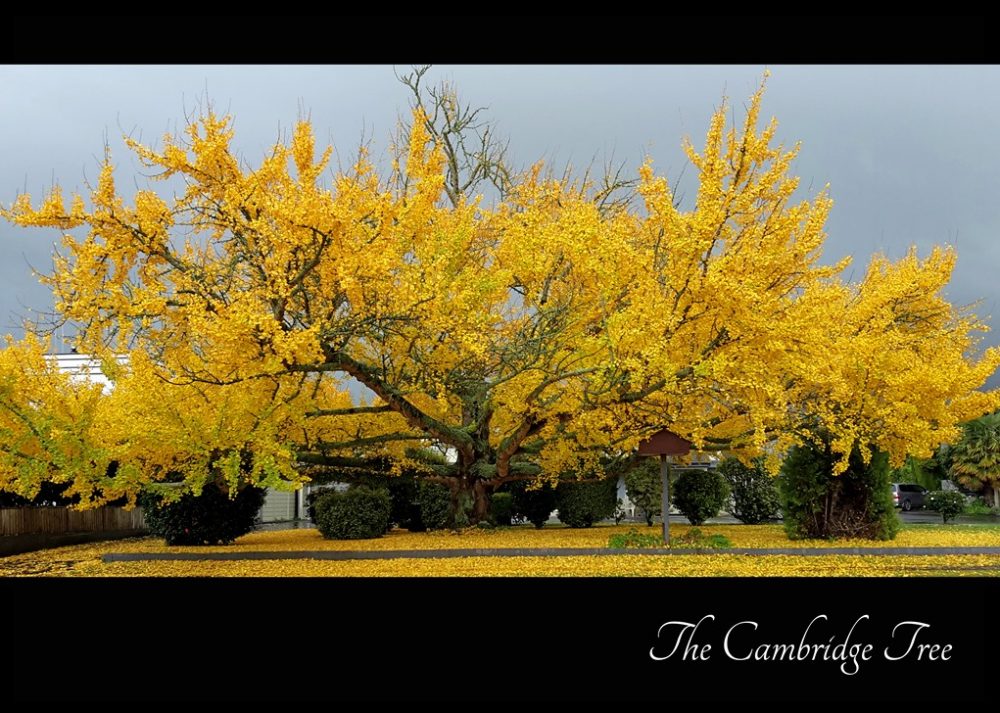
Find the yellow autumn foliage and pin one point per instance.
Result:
(531, 335)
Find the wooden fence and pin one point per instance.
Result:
(58, 520)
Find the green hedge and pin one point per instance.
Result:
(582, 503)
(434, 502)
(358, 513)
(644, 486)
(755, 495)
(947, 502)
(211, 518)
(700, 494)
(854, 504)
(534, 505)
(501, 509)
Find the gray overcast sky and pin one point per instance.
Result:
(912, 153)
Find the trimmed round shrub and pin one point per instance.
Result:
(211, 518)
(501, 509)
(405, 500)
(947, 502)
(755, 497)
(403, 489)
(403, 493)
(644, 486)
(582, 503)
(434, 503)
(359, 513)
(535, 505)
(818, 504)
(700, 494)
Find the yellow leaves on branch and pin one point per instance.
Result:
(47, 423)
(898, 372)
(547, 327)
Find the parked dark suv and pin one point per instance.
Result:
(908, 496)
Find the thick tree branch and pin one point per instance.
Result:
(394, 398)
(353, 411)
(369, 440)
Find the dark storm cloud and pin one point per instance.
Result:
(912, 154)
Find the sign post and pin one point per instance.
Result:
(665, 497)
(664, 443)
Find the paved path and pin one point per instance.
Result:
(539, 552)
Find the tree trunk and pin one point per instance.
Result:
(996, 495)
(470, 501)
(481, 501)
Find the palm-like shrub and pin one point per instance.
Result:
(975, 459)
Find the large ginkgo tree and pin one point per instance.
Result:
(529, 330)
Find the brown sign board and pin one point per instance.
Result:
(664, 443)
